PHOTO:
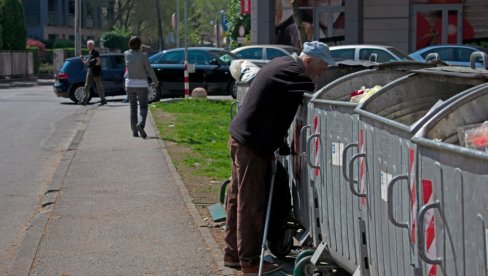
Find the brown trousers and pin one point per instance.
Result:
(246, 203)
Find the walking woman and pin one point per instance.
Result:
(136, 84)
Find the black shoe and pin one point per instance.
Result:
(135, 134)
(103, 102)
(141, 131)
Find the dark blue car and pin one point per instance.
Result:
(70, 80)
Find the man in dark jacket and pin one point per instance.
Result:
(94, 73)
(257, 131)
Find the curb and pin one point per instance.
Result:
(34, 234)
(214, 248)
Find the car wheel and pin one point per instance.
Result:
(77, 94)
(233, 89)
(153, 95)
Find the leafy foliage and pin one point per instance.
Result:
(35, 43)
(116, 39)
(236, 19)
(140, 18)
(63, 43)
(12, 22)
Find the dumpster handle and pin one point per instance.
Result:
(475, 55)
(316, 135)
(421, 235)
(431, 57)
(344, 157)
(483, 224)
(390, 201)
(351, 180)
(302, 130)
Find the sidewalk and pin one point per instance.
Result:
(116, 206)
(24, 82)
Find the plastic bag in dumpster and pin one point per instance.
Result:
(363, 94)
(243, 70)
(474, 136)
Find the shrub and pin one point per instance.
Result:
(115, 40)
(35, 56)
(14, 29)
(46, 69)
(63, 43)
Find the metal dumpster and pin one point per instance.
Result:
(335, 125)
(387, 122)
(453, 188)
(305, 212)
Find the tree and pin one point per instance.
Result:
(236, 19)
(12, 22)
(116, 39)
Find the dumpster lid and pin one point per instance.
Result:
(455, 71)
(356, 63)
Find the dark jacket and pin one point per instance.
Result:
(270, 105)
(95, 70)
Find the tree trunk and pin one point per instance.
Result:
(302, 36)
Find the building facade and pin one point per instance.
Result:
(54, 19)
(406, 24)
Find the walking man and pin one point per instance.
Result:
(94, 73)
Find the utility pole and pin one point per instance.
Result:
(217, 32)
(77, 27)
(160, 28)
(178, 23)
(186, 75)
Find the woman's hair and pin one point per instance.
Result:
(135, 43)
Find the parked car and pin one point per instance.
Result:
(70, 80)
(375, 53)
(458, 55)
(211, 71)
(261, 54)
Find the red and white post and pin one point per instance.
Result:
(186, 81)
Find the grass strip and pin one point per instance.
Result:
(200, 125)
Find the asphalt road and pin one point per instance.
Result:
(35, 129)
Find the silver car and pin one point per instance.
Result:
(263, 53)
(374, 53)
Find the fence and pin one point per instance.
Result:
(16, 64)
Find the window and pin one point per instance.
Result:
(463, 54)
(174, 57)
(198, 58)
(342, 53)
(444, 53)
(52, 6)
(105, 62)
(274, 53)
(119, 62)
(251, 53)
(71, 7)
(381, 55)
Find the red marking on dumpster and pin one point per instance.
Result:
(413, 196)
(362, 179)
(427, 192)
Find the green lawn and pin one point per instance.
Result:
(200, 125)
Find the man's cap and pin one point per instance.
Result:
(320, 50)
